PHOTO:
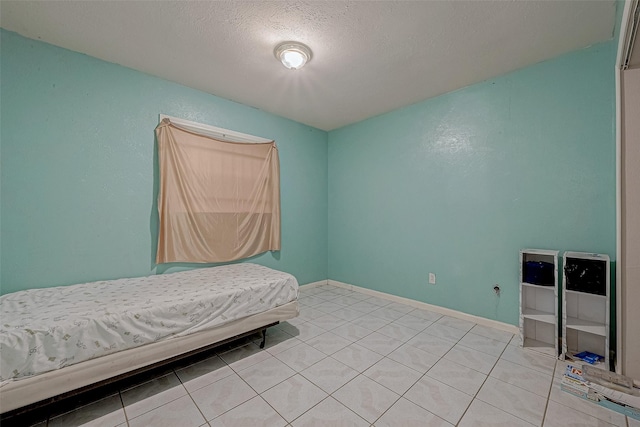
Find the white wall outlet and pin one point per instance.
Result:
(432, 279)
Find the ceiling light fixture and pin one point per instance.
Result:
(293, 55)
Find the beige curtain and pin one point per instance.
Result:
(219, 201)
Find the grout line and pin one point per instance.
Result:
(197, 407)
(475, 395)
(271, 406)
(375, 307)
(124, 409)
(400, 395)
(546, 406)
(385, 356)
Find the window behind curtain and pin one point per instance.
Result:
(219, 201)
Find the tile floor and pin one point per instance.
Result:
(350, 359)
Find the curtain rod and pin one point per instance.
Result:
(215, 132)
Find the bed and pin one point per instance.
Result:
(56, 340)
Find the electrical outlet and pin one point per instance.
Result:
(432, 279)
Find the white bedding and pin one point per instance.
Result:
(47, 329)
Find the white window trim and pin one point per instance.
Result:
(215, 132)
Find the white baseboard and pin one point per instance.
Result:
(425, 306)
(314, 284)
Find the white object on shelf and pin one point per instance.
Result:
(539, 305)
(585, 316)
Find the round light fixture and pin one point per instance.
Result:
(293, 55)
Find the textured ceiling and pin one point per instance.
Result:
(368, 57)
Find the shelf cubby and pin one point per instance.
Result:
(539, 300)
(585, 305)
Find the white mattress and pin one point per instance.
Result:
(47, 329)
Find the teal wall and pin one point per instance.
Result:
(78, 176)
(455, 185)
(458, 184)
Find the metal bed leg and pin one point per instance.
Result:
(264, 338)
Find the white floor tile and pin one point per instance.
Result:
(516, 341)
(300, 357)
(523, 377)
(310, 300)
(379, 343)
(203, 373)
(562, 416)
(442, 331)
(471, 358)
(413, 357)
(360, 296)
(457, 376)
(328, 343)
(387, 313)
(439, 399)
(182, 412)
(633, 422)
(309, 290)
(277, 347)
(295, 374)
(483, 344)
(329, 374)
(357, 357)
(307, 331)
(328, 295)
(346, 300)
(561, 366)
(413, 322)
(293, 397)
(431, 344)
(481, 414)
(366, 397)
(351, 332)
(370, 322)
(328, 322)
(393, 375)
(364, 306)
(398, 332)
(430, 316)
(341, 291)
(106, 412)
(380, 302)
(309, 313)
(452, 322)
(152, 394)
(328, 307)
(402, 308)
(514, 400)
(530, 359)
(494, 334)
(347, 313)
(584, 406)
(266, 374)
(407, 414)
(221, 396)
(291, 322)
(254, 412)
(244, 357)
(274, 334)
(330, 412)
